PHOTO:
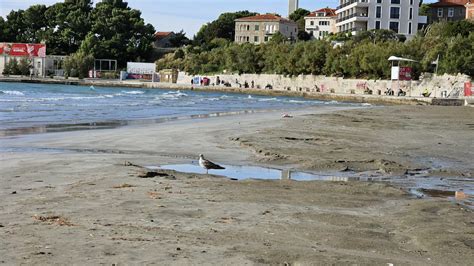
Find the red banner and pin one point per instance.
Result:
(468, 89)
(405, 73)
(23, 49)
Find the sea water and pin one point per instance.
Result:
(66, 107)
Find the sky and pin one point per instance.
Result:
(187, 15)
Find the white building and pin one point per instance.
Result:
(400, 16)
(321, 23)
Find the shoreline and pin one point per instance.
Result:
(91, 207)
(355, 98)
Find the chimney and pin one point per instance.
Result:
(293, 5)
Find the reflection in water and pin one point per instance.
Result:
(255, 172)
(111, 124)
(458, 189)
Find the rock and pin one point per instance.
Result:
(152, 174)
(14, 192)
(469, 243)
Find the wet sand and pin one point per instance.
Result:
(71, 198)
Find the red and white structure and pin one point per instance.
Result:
(35, 53)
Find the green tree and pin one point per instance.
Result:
(11, 67)
(78, 65)
(298, 17)
(68, 24)
(179, 39)
(424, 9)
(3, 30)
(222, 27)
(24, 67)
(118, 32)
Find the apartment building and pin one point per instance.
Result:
(260, 29)
(321, 23)
(401, 16)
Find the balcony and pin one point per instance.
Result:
(357, 16)
(364, 3)
(354, 30)
(312, 27)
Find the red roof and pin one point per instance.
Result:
(328, 12)
(442, 3)
(162, 34)
(266, 17)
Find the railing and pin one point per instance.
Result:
(359, 15)
(354, 29)
(455, 93)
(352, 2)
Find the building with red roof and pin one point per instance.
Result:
(321, 23)
(260, 28)
(162, 39)
(448, 10)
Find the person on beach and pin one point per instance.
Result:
(426, 93)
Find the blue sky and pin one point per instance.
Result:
(189, 15)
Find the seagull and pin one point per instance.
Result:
(206, 164)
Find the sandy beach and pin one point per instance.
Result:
(74, 197)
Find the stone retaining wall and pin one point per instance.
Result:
(438, 86)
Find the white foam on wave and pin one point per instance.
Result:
(176, 93)
(297, 101)
(332, 102)
(16, 93)
(268, 100)
(212, 99)
(366, 104)
(133, 92)
(171, 95)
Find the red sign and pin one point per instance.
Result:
(405, 73)
(468, 89)
(23, 49)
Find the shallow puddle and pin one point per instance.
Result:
(255, 172)
(418, 184)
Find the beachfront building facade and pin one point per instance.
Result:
(447, 10)
(260, 29)
(321, 23)
(401, 16)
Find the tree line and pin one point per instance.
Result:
(110, 30)
(360, 56)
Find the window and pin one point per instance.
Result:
(257, 27)
(450, 12)
(395, 1)
(379, 1)
(266, 39)
(377, 25)
(411, 2)
(409, 28)
(378, 12)
(440, 12)
(255, 38)
(411, 13)
(311, 23)
(394, 26)
(395, 12)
